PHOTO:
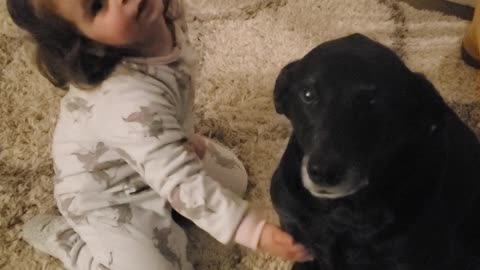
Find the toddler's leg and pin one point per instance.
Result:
(122, 237)
(52, 235)
(221, 164)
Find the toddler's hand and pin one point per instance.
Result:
(279, 243)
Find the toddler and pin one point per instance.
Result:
(124, 149)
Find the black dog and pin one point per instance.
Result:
(379, 173)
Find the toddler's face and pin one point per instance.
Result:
(119, 23)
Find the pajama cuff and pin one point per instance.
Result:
(250, 229)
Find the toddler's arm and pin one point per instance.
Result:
(139, 121)
(141, 125)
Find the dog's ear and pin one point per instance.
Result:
(432, 108)
(281, 88)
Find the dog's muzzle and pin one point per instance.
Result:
(345, 183)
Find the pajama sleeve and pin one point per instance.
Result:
(140, 122)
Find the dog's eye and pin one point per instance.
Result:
(308, 96)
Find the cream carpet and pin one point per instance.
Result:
(243, 44)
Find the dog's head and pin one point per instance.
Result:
(352, 102)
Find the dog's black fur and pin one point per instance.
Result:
(354, 106)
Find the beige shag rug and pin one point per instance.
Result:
(243, 44)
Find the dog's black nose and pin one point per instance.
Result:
(324, 174)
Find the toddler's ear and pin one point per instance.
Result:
(282, 85)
